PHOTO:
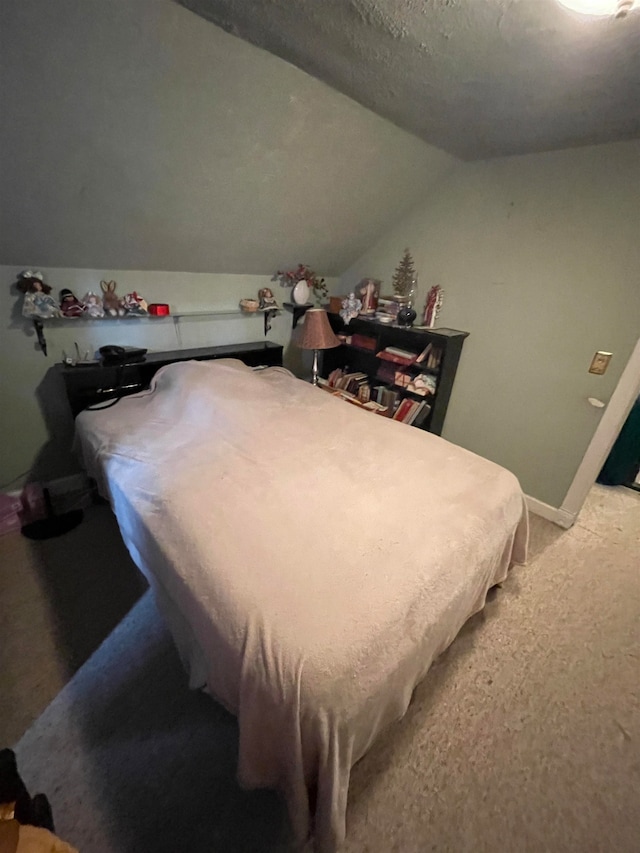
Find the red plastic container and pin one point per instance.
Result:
(159, 309)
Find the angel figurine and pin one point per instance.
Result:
(351, 307)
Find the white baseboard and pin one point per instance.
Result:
(551, 513)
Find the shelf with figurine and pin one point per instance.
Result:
(40, 307)
(388, 359)
(39, 304)
(266, 304)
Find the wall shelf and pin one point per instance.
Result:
(297, 311)
(39, 322)
(177, 315)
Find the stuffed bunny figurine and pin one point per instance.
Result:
(112, 303)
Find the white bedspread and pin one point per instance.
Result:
(312, 559)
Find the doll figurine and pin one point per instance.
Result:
(351, 307)
(267, 299)
(38, 303)
(69, 305)
(135, 304)
(93, 305)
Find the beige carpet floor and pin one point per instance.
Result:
(525, 735)
(59, 599)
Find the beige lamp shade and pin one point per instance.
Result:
(315, 332)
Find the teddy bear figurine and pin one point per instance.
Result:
(69, 304)
(38, 303)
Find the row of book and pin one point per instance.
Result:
(360, 398)
(400, 408)
(430, 356)
(391, 402)
(363, 341)
(356, 383)
(421, 383)
(411, 411)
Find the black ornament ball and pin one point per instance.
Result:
(406, 317)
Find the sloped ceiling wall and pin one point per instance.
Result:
(477, 78)
(138, 135)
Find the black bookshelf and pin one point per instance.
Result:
(353, 358)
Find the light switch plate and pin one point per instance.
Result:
(600, 362)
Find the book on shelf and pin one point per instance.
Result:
(422, 356)
(390, 374)
(430, 357)
(376, 391)
(405, 409)
(403, 353)
(363, 341)
(402, 379)
(337, 392)
(397, 356)
(419, 413)
(388, 398)
(342, 394)
(372, 406)
(364, 392)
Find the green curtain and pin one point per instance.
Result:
(623, 463)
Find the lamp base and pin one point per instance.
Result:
(314, 375)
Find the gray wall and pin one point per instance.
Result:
(136, 135)
(539, 259)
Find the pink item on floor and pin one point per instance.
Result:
(10, 510)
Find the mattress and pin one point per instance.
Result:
(311, 559)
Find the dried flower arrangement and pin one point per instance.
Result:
(289, 278)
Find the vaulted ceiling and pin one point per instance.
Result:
(477, 78)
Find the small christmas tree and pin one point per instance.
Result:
(404, 278)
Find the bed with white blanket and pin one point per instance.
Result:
(310, 558)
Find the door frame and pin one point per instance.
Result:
(612, 421)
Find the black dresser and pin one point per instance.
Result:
(90, 385)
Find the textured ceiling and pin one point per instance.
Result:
(477, 78)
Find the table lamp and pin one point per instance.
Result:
(315, 333)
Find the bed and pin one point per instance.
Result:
(311, 559)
